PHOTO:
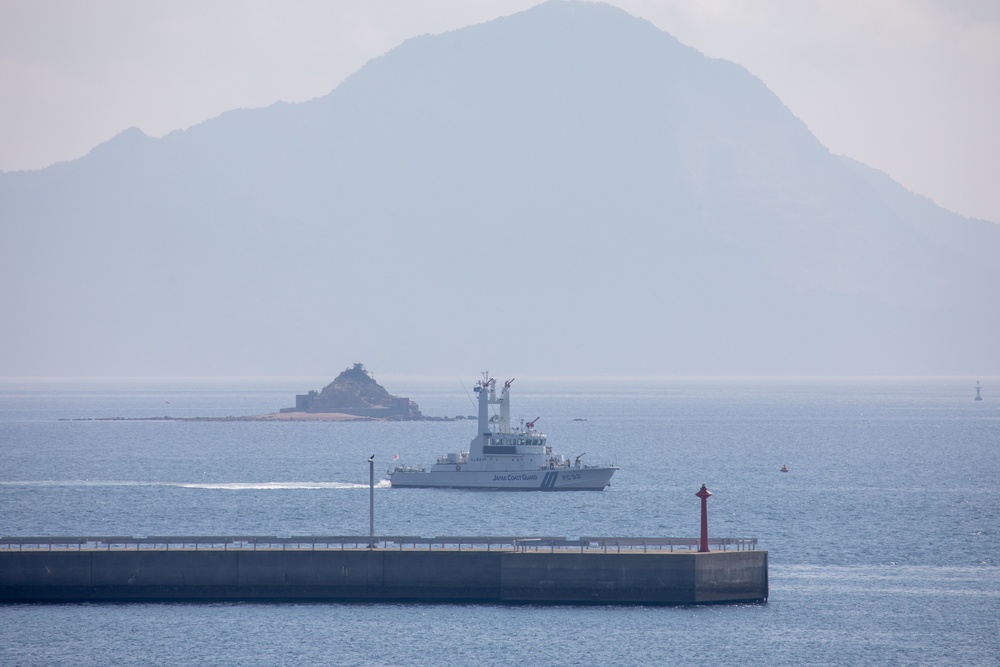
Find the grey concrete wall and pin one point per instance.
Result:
(472, 576)
(598, 578)
(724, 576)
(467, 576)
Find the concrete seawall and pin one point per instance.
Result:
(374, 575)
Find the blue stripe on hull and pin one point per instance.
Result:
(547, 480)
(499, 488)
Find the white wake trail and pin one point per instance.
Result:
(225, 486)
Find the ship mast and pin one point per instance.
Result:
(505, 407)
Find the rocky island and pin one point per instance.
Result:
(353, 393)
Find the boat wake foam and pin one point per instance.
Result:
(224, 486)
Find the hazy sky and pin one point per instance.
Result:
(911, 87)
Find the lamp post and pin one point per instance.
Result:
(704, 493)
(371, 501)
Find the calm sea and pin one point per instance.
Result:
(884, 537)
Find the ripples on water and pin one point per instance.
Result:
(883, 537)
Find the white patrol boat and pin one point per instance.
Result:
(505, 458)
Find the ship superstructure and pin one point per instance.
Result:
(505, 457)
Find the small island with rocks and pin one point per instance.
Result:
(354, 393)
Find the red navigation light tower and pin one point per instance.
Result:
(704, 493)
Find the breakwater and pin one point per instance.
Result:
(454, 569)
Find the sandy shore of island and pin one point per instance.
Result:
(273, 417)
(309, 417)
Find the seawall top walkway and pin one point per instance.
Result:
(384, 542)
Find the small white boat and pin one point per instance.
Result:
(979, 396)
(502, 457)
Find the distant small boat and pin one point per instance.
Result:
(578, 419)
(784, 469)
(978, 395)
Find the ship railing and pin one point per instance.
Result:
(407, 468)
(453, 460)
(384, 542)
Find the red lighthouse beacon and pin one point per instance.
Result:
(704, 493)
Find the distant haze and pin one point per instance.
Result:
(568, 190)
(907, 87)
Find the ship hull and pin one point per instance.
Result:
(560, 479)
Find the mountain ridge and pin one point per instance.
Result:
(569, 164)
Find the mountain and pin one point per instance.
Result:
(568, 190)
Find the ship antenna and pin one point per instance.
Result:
(466, 389)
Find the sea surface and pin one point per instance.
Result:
(883, 537)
